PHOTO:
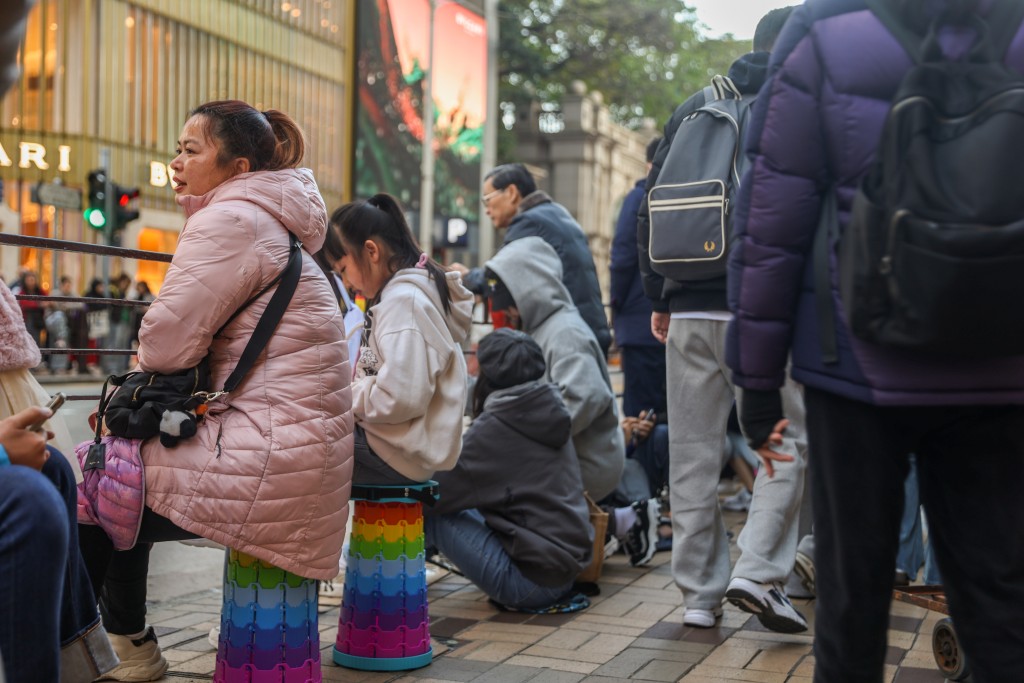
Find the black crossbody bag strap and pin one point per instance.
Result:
(289, 281)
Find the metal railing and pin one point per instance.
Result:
(102, 250)
(117, 252)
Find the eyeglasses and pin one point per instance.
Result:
(486, 199)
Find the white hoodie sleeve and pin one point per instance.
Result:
(402, 389)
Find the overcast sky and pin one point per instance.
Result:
(738, 17)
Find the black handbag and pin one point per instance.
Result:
(148, 404)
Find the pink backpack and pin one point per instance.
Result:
(113, 495)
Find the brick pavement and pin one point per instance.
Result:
(632, 632)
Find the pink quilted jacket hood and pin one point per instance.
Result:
(270, 470)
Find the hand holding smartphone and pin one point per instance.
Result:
(55, 403)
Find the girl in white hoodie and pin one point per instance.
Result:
(410, 384)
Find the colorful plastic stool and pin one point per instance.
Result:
(269, 630)
(384, 624)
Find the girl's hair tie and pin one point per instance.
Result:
(422, 262)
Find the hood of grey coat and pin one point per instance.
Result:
(532, 271)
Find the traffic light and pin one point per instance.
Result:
(122, 214)
(96, 212)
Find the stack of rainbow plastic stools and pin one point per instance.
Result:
(383, 624)
(269, 631)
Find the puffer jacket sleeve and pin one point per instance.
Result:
(214, 271)
(778, 210)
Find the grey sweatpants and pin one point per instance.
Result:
(700, 396)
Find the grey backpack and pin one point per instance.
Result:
(690, 227)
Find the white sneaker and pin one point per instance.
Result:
(141, 659)
(739, 502)
(611, 546)
(701, 618)
(214, 637)
(768, 602)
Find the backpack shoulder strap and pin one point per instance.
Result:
(289, 280)
(890, 18)
(1003, 22)
(724, 89)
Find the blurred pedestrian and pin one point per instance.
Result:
(525, 282)
(814, 136)
(97, 324)
(512, 516)
(49, 626)
(691, 317)
(511, 200)
(32, 311)
(142, 293)
(643, 356)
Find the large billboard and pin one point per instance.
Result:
(394, 59)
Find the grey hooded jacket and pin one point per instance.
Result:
(532, 271)
(518, 469)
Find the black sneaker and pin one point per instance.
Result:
(642, 539)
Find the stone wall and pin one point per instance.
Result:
(586, 162)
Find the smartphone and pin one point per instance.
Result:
(55, 403)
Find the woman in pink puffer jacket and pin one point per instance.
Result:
(269, 471)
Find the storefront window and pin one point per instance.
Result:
(154, 272)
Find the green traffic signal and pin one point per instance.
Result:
(96, 215)
(95, 218)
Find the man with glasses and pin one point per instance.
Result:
(511, 200)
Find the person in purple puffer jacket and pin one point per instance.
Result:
(815, 127)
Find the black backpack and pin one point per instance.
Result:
(691, 204)
(933, 257)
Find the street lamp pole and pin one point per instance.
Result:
(427, 163)
(490, 151)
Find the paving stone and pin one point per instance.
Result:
(914, 675)
(567, 639)
(181, 620)
(730, 656)
(551, 663)
(900, 623)
(672, 646)
(506, 673)
(661, 670)
(731, 674)
(552, 676)
(779, 657)
(515, 633)
(554, 619)
(203, 664)
(449, 627)
(632, 633)
(494, 652)
(452, 669)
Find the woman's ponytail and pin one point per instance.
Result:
(405, 250)
(291, 145)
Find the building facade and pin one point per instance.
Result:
(586, 162)
(122, 75)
